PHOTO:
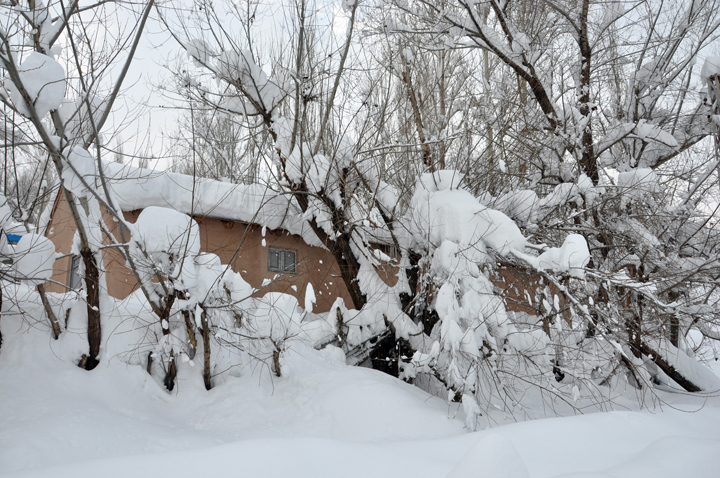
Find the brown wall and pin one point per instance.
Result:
(236, 243)
(60, 230)
(240, 245)
(515, 282)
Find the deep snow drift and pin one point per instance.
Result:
(323, 419)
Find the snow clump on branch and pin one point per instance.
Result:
(461, 235)
(167, 237)
(44, 82)
(239, 68)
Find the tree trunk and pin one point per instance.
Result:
(340, 328)
(419, 127)
(149, 363)
(633, 322)
(588, 161)
(48, 310)
(206, 354)
(164, 317)
(191, 333)
(416, 304)
(674, 330)
(349, 268)
(339, 247)
(171, 373)
(276, 361)
(669, 369)
(92, 283)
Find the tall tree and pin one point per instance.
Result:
(560, 118)
(605, 108)
(64, 111)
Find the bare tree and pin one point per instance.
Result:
(64, 113)
(557, 118)
(605, 107)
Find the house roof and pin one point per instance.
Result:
(137, 188)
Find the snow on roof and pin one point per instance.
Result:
(137, 188)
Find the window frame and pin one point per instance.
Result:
(75, 276)
(282, 255)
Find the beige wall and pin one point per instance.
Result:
(236, 243)
(241, 246)
(514, 282)
(60, 230)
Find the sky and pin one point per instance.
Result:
(147, 112)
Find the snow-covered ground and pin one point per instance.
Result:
(324, 419)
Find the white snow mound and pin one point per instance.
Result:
(44, 80)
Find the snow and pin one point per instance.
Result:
(387, 196)
(199, 51)
(324, 420)
(162, 239)
(697, 373)
(122, 411)
(443, 214)
(440, 213)
(440, 180)
(711, 66)
(561, 195)
(239, 67)
(572, 257)
(78, 167)
(309, 297)
(5, 212)
(321, 418)
(75, 115)
(637, 185)
(519, 204)
(347, 5)
(44, 80)
(647, 131)
(8, 225)
(137, 188)
(164, 230)
(611, 13)
(492, 456)
(33, 258)
(459, 233)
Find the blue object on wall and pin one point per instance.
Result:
(13, 238)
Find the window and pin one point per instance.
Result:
(281, 260)
(75, 279)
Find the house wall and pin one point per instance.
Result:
(60, 231)
(517, 284)
(241, 246)
(246, 250)
(238, 244)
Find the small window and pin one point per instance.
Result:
(281, 260)
(75, 279)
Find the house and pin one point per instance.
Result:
(281, 255)
(259, 232)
